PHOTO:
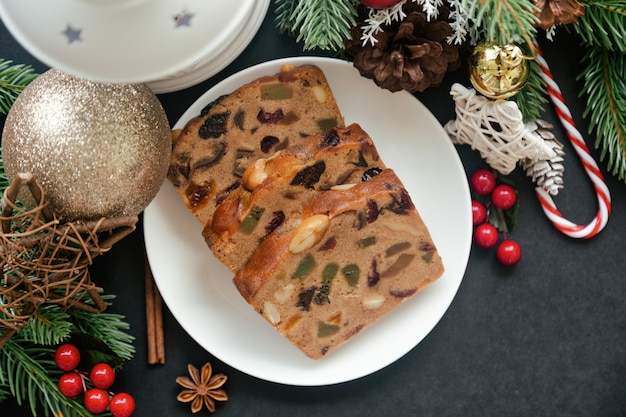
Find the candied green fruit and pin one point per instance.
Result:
(325, 124)
(305, 266)
(276, 92)
(252, 219)
(326, 329)
(367, 241)
(351, 272)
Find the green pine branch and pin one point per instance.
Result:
(533, 97)
(503, 21)
(603, 24)
(605, 87)
(13, 79)
(319, 24)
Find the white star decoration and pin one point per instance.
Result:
(496, 129)
(183, 18)
(72, 35)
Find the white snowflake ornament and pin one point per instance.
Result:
(495, 128)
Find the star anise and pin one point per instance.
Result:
(202, 388)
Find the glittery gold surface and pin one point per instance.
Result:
(96, 149)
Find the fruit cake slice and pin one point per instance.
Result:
(276, 189)
(211, 153)
(355, 254)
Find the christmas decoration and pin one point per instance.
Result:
(412, 54)
(495, 209)
(498, 71)
(510, 22)
(48, 300)
(90, 163)
(494, 128)
(44, 261)
(203, 388)
(554, 12)
(546, 173)
(593, 171)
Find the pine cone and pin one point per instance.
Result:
(412, 54)
(553, 12)
(546, 173)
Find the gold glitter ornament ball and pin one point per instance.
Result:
(97, 149)
(498, 71)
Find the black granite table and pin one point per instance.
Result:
(544, 338)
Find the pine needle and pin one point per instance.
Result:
(13, 79)
(605, 87)
(318, 24)
(603, 24)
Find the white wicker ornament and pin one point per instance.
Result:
(496, 129)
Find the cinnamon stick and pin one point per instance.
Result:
(154, 320)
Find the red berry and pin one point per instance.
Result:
(67, 357)
(102, 375)
(96, 400)
(482, 181)
(479, 212)
(71, 384)
(486, 235)
(379, 4)
(509, 252)
(122, 405)
(504, 196)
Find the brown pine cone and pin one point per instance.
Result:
(411, 55)
(553, 12)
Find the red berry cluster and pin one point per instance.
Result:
(502, 197)
(94, 385)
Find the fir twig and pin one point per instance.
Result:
(533, 97)
(13, 79)
(604, 77)
(503, 21)
(603, 24)
(319, 24)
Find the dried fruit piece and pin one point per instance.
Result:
(278, 217)
(330, 138)
(252, 219)
(214, 126)
(267, 117)
(351, 273)
(242, 160)
(401, 263)
(310, 175)
(304, 299)
(212, 104)
(366, 241)
(305, 266)
(396, 248)
(326, 329)
(211, 160)
(328, 274)
(276, 91)
(268, 142)
(325, 124)
(370, 173)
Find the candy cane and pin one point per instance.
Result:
(602, 191)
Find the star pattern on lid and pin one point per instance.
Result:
(183, 18)
(72, 35)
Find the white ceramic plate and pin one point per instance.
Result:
(134, 40)
(198, 289)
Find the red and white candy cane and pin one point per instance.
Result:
(602, 191)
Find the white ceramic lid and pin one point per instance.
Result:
(128, 40)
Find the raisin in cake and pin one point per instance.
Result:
(213, 150)
(356, 253)
(276, 189)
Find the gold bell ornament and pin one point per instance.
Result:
(498, 71)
